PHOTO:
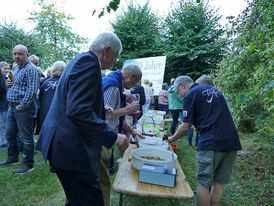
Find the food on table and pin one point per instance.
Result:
(153, 158)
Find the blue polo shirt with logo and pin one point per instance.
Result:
(206, 108)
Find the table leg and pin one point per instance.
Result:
(173, 203)
(121, 200)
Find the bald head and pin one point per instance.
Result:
(20, 54)
(34, 59)
(131, 75)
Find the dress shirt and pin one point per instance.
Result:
(26, 80)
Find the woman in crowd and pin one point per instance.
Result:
(149, 95)
(175, 106)
(163, 99)
(48, 89)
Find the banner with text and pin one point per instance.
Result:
(153, 69)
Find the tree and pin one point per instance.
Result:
(113, 5)
(246, 74)
(11, 35)
(51, 26)
(193, 39)
(139, 30)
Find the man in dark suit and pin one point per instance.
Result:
(74, 130)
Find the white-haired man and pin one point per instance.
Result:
(206, 108)
(113, 86)
(74, 130)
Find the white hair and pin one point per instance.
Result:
(33, 57)
(204, 79)
(24, 48)
(58, 68)
(105, 39)
(133, 69)
(183, 79)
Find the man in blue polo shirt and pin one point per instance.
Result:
(206, 108)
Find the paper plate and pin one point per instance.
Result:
(150, 131)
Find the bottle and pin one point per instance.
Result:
(165, 135)
(10, 76)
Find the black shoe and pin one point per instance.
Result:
(22, 169)
(5, 145)
(51, 169)
(9, 161)
(111, 171)
(2, 148)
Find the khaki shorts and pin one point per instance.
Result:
(214, 166)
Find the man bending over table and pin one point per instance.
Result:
(206, 108)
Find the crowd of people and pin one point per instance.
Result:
(79, 114)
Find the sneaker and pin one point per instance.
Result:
(9, 161)
(22, 169)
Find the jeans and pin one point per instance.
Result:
(181, 116)
(190, 135)
(18, 120)
(164, 107)
(3, 118)
(175, 116)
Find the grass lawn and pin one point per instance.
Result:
(251, 184)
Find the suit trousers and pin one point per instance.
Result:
(104, 175)
(80, 189)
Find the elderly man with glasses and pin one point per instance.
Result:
(75, 130)
(206, 108)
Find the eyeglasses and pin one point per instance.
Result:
(178, 88)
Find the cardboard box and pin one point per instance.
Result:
(158, 175)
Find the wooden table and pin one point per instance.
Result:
(126, 182)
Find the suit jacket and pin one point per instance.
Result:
(74, 130)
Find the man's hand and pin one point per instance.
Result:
(123, 142)
(9, 83)
(42, 79)
(170, 139)
(108, 112)
(135, 133)
(132, 108)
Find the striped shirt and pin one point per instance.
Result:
(26, 80)
(112, 99)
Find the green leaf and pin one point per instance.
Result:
(101, 13)
(241, 98)
(252, 47)
(270, 94)
(93, 12)
(108, 9)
